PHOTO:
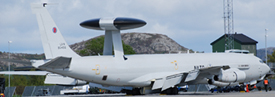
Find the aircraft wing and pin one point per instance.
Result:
(50, 77)
(165, 80)
(203, 73)
(213, 70)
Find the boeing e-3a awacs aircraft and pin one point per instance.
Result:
(143, 71)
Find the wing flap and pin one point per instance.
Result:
(158, 83)
(168, 81)
(171, 81)
(192, 75)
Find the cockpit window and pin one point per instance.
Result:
(261, 61)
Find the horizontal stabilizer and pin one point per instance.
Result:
(25, 72)
(62, 80)
(58, 63)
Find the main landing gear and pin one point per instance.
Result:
(138, 91)
(170, 91)
(135, 91)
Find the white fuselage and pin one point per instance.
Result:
(123, 72)
(165, 70)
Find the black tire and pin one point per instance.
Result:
(129, 92)
(269, 88)
(136, 91)
(163, 92)
(175, 91)
(169, 91)
(212, 90)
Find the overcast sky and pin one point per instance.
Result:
(193, 24)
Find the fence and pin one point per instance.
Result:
(9, 91)
(55, 90)
(38, 90)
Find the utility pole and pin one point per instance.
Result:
(228, 24)
(9, 70)
(266, 46)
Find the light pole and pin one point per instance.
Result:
(9, 42)
(265, 46)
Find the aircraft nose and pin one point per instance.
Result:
(266, 68)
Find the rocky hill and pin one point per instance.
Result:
(144, 43)
(17, 56)
(261, 52)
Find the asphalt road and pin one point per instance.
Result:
(186, 94)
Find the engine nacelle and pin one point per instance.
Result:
(221, 84)
(231, 75)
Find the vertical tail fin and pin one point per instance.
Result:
(53, 42)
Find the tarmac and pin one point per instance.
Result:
(186, 94)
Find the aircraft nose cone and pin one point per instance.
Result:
(266, 68)
(128, 23)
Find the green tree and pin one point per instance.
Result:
(19, 80)
(84, 52)
(36, 80)
(271, 58)
(95, 46)
(127, 49)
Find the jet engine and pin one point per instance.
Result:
(221, 84)
(231, 75)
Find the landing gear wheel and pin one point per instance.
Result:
(136, 91)
(163, 92)
(175, 91)
(170, 91)
(129, 92)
